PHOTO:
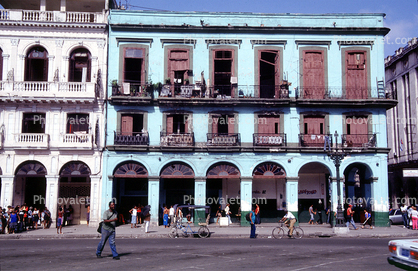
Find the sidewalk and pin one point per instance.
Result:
(232, 231)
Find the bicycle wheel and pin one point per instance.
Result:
(298, 233)
(173, 232)
(203, 232)
(278, 233)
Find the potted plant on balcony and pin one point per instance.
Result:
(115, 87)
(168, 81)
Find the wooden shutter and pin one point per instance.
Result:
(314, 125)
(186, 124)
(169, 125)
(313, 74)
(231, 124)
(215, 120)
(127, 125)
(356, 75)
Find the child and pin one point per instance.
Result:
(133, 212)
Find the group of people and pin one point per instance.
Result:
(20, 218)
(137, 217)
(349, 218)
(409, 216)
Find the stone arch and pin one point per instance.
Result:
(269, 170)
(177, 170)
(31, 168)
(75, 168)
(130, 169)
(223, 170)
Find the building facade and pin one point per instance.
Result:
(217, 108)
(401, 78)
(52, 92)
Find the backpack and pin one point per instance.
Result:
(247, 217)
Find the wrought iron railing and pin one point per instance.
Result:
(315, 140)
(177, 140)
(359, 141)
(131, 139)
(321, 93)
(214, 139)
(132, 89)
(264, 139)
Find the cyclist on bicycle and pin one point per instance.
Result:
(289, 220)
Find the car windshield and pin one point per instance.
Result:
(392, 212)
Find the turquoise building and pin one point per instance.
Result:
(243, 108)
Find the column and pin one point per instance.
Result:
(6, 197)
(154, 198)
(199, 199)
(51, 200)
(5, 66)
(335, 197)
(292, 195)
(95, 209)
(106, 192)
(380, 203)
(246, 198)
(51, 68)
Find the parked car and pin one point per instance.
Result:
(395, 216)
(404, 253)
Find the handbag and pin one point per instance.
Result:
(99, 229)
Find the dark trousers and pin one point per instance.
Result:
(252, 235)
(405, 219)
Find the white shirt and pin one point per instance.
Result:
(171, 211)
(289, 215)
(403, 209)
(134, 211)
(414, 213)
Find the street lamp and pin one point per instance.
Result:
(337, 156)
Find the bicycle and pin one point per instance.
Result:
(179, 228)
(279, 232)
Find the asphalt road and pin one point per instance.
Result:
(198, 254)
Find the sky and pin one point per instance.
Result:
(401, 15)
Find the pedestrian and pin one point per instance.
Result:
(252, 221)
(328, 213)
(88, 214)
(367, 219)
(110, 217)
(70, 212)
(134, 212)
(319, 221)
(30, 217)
(179, 215)
(147, 219)
(35, 217)
(404, 215)
(349, 217)
(47, 218)
(171, 214)
(218, 214)
(414, 217)
(312, 215)
(228, 213)
(13, 219)
(409, 212)
(257, 214)
(165, 217)
(60, 220)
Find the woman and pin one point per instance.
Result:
(257, 214)
(35, 217)
(134, 212)
(414, 216)
(165, 217)
(60, 220)
(218, 214)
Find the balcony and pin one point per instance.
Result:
(363, 141)
(176, 140)
(76, 141)
(314, 140)
(67, 92)
(214, 140)
(31, 141)
(269, 140)
(131, 139)
(52, 16)
(130, 93)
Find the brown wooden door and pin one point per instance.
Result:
(268, 125)
(357, 131)
(178, 65)
(231, 124)
(215, 120)
(314, 131)
(170, 125)
(127, 125)
(313, 75)
(356, 80)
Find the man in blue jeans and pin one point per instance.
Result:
(252, 221)
(108, 231)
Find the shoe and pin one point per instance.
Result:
(99, 256)
(116, 258)
(291, 237)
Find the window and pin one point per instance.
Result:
(80, 66)
(313, 74)
(177, 124)
(223, 124)
(223, 71)
(178, 67)
(314, 125)
(132, 124)
(36, 67)
(33, 123)
(268, 73)
(268, 124)
(77, 123)
(356, 74)
(357, 130)
(134, 65)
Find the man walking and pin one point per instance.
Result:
(108, 231)
(349, 217)
(252, 221)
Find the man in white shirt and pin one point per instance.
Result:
(404, 215)
(171, 214)
(289, 219)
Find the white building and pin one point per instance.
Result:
(53, 78)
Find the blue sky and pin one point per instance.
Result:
(401, 16)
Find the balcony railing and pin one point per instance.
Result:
(214, 139)
(50, 90)
(28, 140)
(320, 93)
(77, 140)
(131, 89)
(131, 139)
(225, 91)
(176, 140)
(263, 139)
(52, 16)
(315, 140)
(359, 141)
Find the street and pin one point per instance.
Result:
(195, 253)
